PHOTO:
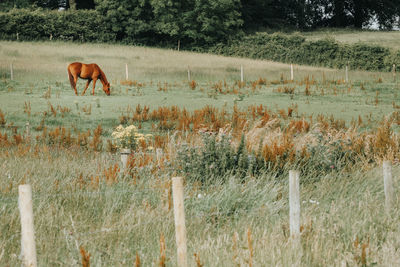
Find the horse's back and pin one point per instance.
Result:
(75, 67)
(85, 71)
(83, 65)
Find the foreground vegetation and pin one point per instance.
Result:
(115, 218)
(233, 143)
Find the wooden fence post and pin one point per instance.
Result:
(27, 129)
(28, 248)
(291, 72)
(294, 203)
(241, 74)
(124, 158)
(188, 72)
(347, 74)
(179, 214)
(388, 185)
(126, 71)
(11, 71)
(394, 72)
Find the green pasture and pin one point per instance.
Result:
(233, 222)
(161, 78)
(390, 39)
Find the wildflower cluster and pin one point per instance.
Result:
(129, 137)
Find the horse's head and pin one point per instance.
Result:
(106, 88)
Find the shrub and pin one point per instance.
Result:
(214, 159)
(79, 25)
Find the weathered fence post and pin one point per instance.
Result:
(124, 158)
(28, 248)
(347, 74)
(188, 72)
(388, 185)
(126, 71)
(11, 71)
(27, 128)
(27, 131)
(241, 74)
(291, 72)
(179, 214)
(394, 72)
(294, 203)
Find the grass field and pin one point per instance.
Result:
(388, 39)
(155, 69)
(81, 198)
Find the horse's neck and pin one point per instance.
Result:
(103, 77)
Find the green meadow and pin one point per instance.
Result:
(389, 39)
(160, 79)
(80, 199)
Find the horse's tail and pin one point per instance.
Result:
(71, 79)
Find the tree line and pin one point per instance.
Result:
(214, 26)
(173, 15)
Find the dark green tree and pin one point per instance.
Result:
(212, 21)
(169, 18)
(339, 18)
(196, 22)
(127, 20)
(387, 12)
(84, 4)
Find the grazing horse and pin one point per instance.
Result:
(88, 72)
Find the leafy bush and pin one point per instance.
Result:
(132, 22)
(79, 25)
(214, 159)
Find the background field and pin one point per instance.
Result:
(80, 199)
(388, 39)
(35, 73)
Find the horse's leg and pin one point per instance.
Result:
(75, 81)
(86, 87)
(94, 85)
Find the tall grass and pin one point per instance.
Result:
(115, 221)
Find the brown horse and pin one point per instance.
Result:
(88, 72)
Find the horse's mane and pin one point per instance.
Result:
(103, 76)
